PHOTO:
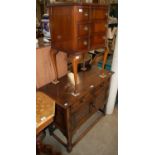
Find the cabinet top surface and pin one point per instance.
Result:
(75, 4)
(61, 92)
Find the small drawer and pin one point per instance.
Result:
(83, 44)
(99, 13)
(98, 40)
(83, 29)
(99, 27)
(86, 99)
(82, 13)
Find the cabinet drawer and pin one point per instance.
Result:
(83, 44)
(99, 27)
(87, 98)
(99, 13)
(100, 96)
(80, 115)
(82, 13)
(83, 29)
(98, 40)
(81, 110)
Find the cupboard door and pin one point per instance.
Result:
(99, 27)
(81, 110)
(101, 95)
(99, 13)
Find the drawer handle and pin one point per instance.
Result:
(91, 86)
(80, 10)
(85, 43)
(93, 105)
(59, 37)
(86, 28)
(103, 37)
(86, 14)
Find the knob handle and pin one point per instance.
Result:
(66, 104)
(85, 43)
(59, 37)
(86, 14)
(80, 10)
(86, 28)
(103, 37)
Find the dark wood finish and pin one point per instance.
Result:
(72, 111)
(85, 132)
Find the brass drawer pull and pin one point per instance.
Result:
(86, 14)
(80, 10)
(86, 28)
(59, 37)
(85, 43)
(91, 86)
(103, 37)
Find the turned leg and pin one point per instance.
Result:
(39, 144)
(104, 62)
(103, 110)
(53, 54)
(75, 66)
(84, 64)
(68, 130)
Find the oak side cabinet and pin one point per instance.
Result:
(72, 112)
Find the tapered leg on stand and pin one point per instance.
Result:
(84, 64)
(53, 54)
(75, 66)
(104, 62)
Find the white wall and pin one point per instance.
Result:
(114, 82)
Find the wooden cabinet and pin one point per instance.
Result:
(73, 26)
(71, 112)
(77, 28)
